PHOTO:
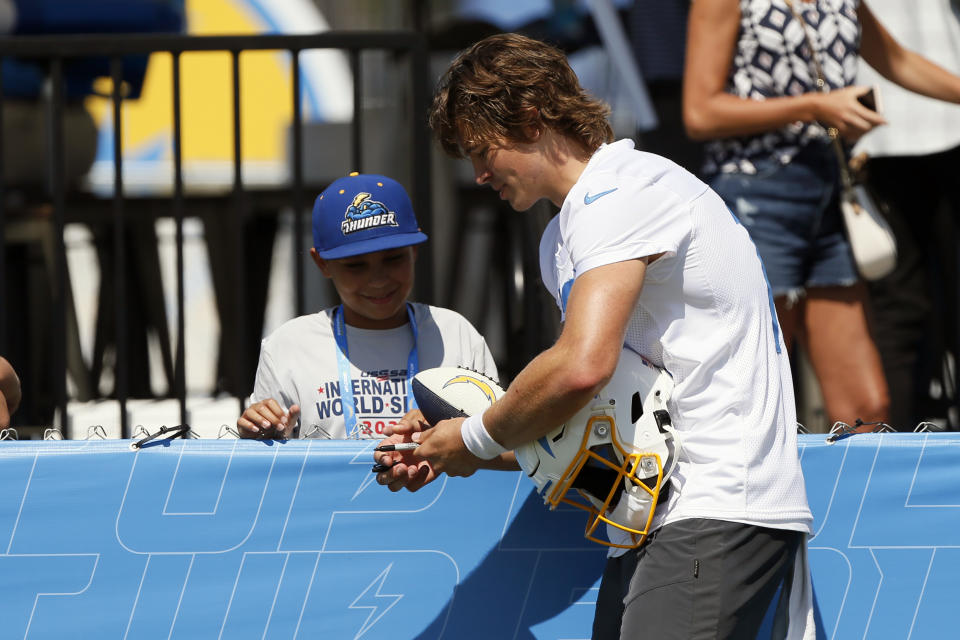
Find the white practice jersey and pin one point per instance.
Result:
(705, 315)
(299, 365)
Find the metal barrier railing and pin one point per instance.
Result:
(54, 50)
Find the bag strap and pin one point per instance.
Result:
(834, 134)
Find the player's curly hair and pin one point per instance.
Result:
(506, 82)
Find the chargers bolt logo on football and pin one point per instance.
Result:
(480, 384)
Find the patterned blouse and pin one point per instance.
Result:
(772, 59)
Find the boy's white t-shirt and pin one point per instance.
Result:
(706, 316)
(299, 365)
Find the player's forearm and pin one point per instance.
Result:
(551, 389)
(562, 380)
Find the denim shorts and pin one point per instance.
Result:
(792, 212)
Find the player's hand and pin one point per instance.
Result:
(405, 469)
(839, 109)
(442, 446)
(268, 420)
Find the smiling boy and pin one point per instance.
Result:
(344, 372)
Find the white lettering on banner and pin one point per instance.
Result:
(148, 522)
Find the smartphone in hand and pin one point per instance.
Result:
(871, 99)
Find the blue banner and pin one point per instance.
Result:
(245, 539)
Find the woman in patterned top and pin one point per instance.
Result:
(751, 87)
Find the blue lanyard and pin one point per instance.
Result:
(343, 365)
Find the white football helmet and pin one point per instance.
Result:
(613, 457)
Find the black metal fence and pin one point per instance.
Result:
(66, 206)
(489, 271)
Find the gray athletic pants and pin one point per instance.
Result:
(695, 579)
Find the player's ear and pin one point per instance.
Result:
(534, 127)
(320, 262)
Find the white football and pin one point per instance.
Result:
(453, 392)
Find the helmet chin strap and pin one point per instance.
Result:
(676, 440)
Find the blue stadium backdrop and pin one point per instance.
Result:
(237, 539)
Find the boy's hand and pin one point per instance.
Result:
(404, 469)
(268, 420)
(409, 424)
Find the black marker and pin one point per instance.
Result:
(402, 446)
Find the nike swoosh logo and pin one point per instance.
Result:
(587, 198)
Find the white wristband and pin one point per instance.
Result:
(478, 440)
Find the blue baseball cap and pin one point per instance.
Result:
(363, 213)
